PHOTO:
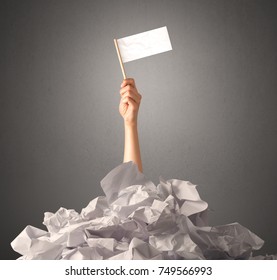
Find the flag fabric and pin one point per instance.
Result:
(144, 44)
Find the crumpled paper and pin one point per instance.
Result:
(137, 220)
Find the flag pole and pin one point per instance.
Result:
(120, 59)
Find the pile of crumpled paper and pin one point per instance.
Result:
(137, 220)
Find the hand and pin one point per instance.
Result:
(130, 101)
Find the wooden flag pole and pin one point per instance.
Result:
(120, 59)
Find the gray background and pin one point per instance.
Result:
(208, 112)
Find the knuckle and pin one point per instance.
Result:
(127, 93)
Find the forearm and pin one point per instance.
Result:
(131, 145)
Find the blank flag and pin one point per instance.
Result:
(144, 44)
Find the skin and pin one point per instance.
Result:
(128, 109)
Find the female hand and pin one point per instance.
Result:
(130, 101)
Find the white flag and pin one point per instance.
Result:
(144, 44)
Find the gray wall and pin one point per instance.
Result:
(208, 112)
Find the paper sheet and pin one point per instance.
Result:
(137, 220)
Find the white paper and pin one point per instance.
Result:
(144, 44)
(137, 220)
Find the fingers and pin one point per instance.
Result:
(132, 95)
(130, 101)
(131, 92)
(128, 81)
(128, 88)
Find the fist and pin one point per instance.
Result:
(129, 102)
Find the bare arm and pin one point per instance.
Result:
(128, 108)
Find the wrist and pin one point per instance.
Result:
(130, 125)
